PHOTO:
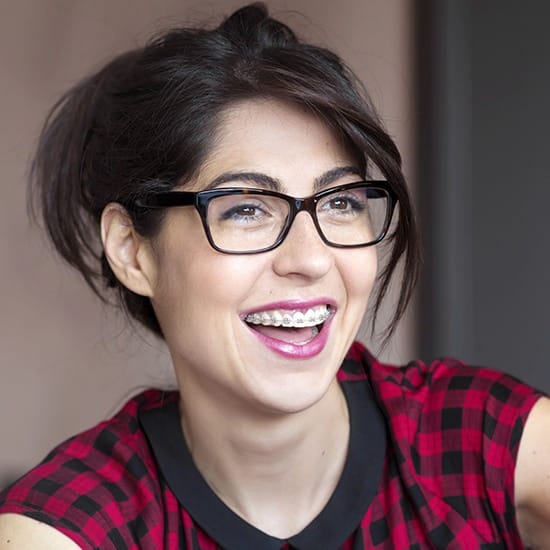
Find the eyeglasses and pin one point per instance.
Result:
(240, 220)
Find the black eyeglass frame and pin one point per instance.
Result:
(201, 199)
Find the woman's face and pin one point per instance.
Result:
(203, 298)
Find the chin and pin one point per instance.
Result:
(295, 393)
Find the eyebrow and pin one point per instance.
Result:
(263, 180)
(257, 178)
(333, 175)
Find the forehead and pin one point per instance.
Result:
(283, 141)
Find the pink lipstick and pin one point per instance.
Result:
(295, 329)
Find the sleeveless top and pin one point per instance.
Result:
(430, 464)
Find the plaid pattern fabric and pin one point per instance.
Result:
(447, 482)
(455, 433)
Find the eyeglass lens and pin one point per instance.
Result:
(248, 222)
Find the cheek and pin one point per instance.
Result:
(198, 286)
(359, 269)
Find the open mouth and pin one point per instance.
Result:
(297, 326)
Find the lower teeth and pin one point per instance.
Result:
(314, 331)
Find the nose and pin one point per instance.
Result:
(303, 253)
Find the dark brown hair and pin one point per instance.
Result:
(145, 122)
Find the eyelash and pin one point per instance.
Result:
(353, 203)
(234, 211)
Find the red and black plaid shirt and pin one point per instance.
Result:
(430, 465)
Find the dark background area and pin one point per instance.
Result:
(483, 144)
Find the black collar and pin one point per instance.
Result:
(335, 523)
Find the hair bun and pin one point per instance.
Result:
(252, 25)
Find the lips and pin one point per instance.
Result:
(294, 329)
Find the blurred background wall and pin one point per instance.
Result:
(66, 361)
(483, 77)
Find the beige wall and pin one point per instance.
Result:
(67, 361)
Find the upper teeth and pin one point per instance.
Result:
(277, 318)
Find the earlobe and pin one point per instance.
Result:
(128, 253)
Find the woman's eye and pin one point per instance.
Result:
(340, 205)
(243, 213)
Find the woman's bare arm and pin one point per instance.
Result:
(532, 478)
(22, 533)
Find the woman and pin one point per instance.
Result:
(230, 176)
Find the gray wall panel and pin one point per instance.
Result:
(485, 189)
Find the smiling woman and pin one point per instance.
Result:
(226, 177)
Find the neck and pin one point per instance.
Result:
(275, 471)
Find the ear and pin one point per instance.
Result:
(129, 254)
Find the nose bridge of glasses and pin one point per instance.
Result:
(306, 205)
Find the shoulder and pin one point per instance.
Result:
(417, 383)
(18, 531)
(456, 431)
(449, 389)
(448, 411)
(81, 486)
(532, 478)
